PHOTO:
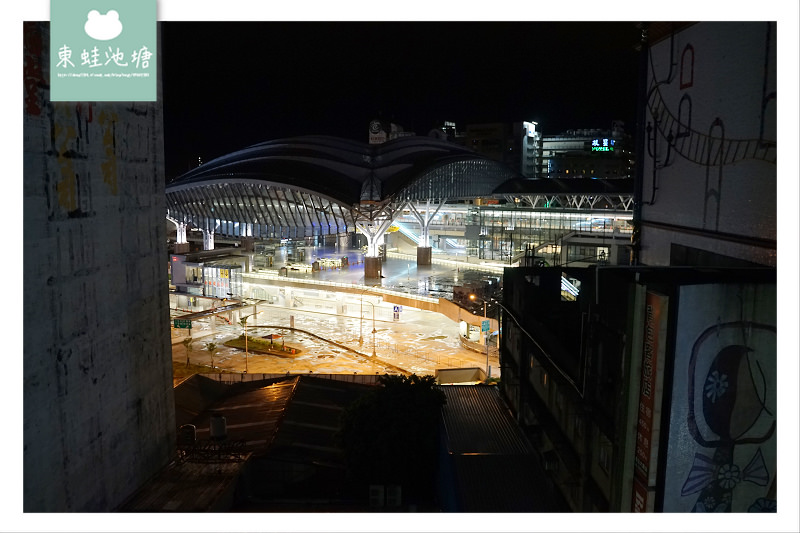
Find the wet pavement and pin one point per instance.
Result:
(400, 271)
(423, 342)
(332, 338)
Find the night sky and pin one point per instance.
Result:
(229, 85)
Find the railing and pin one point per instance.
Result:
(407, 232)
(409, 357)
(477, 347)
(473, 263)
(349, 286)
(367, 379)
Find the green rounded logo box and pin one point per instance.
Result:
(103, 51)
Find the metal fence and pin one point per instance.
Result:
(229, 378)
(480, 348)
(407, 357)
(350, 286)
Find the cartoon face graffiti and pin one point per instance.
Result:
(728, 407)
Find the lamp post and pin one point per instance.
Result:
(361, 319)
(243, 322)
(485, 334)
(361, 322)
(373, 327)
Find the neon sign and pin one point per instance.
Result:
(603, 145)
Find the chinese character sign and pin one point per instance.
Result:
(647, 432)
(603, 145)
(103, 51)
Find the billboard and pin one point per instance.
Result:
(650, 399)
(377, 133)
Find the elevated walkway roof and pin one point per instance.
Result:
(566, 186)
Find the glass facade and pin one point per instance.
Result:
(506, 233)
(222, 281)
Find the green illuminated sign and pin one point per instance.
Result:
(603, 145)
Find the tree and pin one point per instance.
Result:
(212, 349)
(187, 343)
(390, 434)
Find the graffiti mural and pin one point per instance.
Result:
(722, 449)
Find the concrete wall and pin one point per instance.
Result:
(458, 313)
(722, 88)
(98, 401)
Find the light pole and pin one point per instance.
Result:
(243, 322)
(486, 334)
(361, 319)
(361, 322)
(373, 327)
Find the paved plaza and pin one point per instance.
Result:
(332, 342)
(421, 343)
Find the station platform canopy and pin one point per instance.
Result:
(317, 184)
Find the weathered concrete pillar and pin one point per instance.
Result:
(424, 255)
(373, 267)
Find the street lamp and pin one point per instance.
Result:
(361, 322)
(243, 322)
(255, 302)
(361, 319)
(486, 334)
(373, 327)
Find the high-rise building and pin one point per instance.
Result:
(97, 369)
(587, 153)
(517, 144)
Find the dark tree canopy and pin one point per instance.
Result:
(390, 434)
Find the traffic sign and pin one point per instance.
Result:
(182, 323)
(484, 326)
